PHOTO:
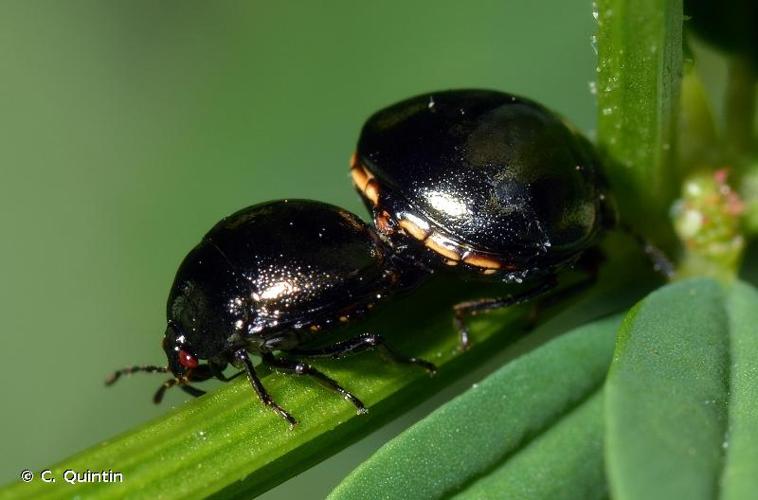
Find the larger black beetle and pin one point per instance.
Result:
(492, 185)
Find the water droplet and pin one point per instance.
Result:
(593, 87)
(593, 42)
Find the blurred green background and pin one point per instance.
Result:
(128, 128)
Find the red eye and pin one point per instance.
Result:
(187, 360)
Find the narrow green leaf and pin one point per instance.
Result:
(639, 69)
(740, 476)
(498, 424)
(212, 443)
(667, 393)
(566, 462)
(227, 443)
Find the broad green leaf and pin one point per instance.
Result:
(681, 409)
(566, 462)
(515, 417)
(740, 476)
(639, 69)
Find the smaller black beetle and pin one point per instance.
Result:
(271, 278)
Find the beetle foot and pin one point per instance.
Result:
(430, 368)
(463, 334)
(292, 421)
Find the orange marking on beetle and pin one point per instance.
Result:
(437, 244)
(360, 178)
(353, 160)
(482, 261)
(384, 222)
(413, 229)
(371, 192)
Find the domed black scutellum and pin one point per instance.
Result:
(270, 278)
(489, 184)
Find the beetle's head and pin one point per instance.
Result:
(181, 357)
(182, 362)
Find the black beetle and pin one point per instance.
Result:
(268, 279)
(482, 183)
(492, 185)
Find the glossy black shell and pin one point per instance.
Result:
(497, 174)
(272, 269)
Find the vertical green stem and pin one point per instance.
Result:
(639, 72)
(740, 109)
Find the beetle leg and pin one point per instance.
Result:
(365, 342)
(168, 384)
(172, 382)
(295, 367)
(263, 395)
(661, 263)
(588, 263)
(469, 308)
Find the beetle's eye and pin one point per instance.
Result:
(187, 360)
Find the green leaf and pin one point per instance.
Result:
(515, 419)
(639, 70)
(566, 461)
(740, 476)
(227, 443)
(212, 443)
(681, 410)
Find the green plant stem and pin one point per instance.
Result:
(698, 144)
(739, 110)
(639, 70)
